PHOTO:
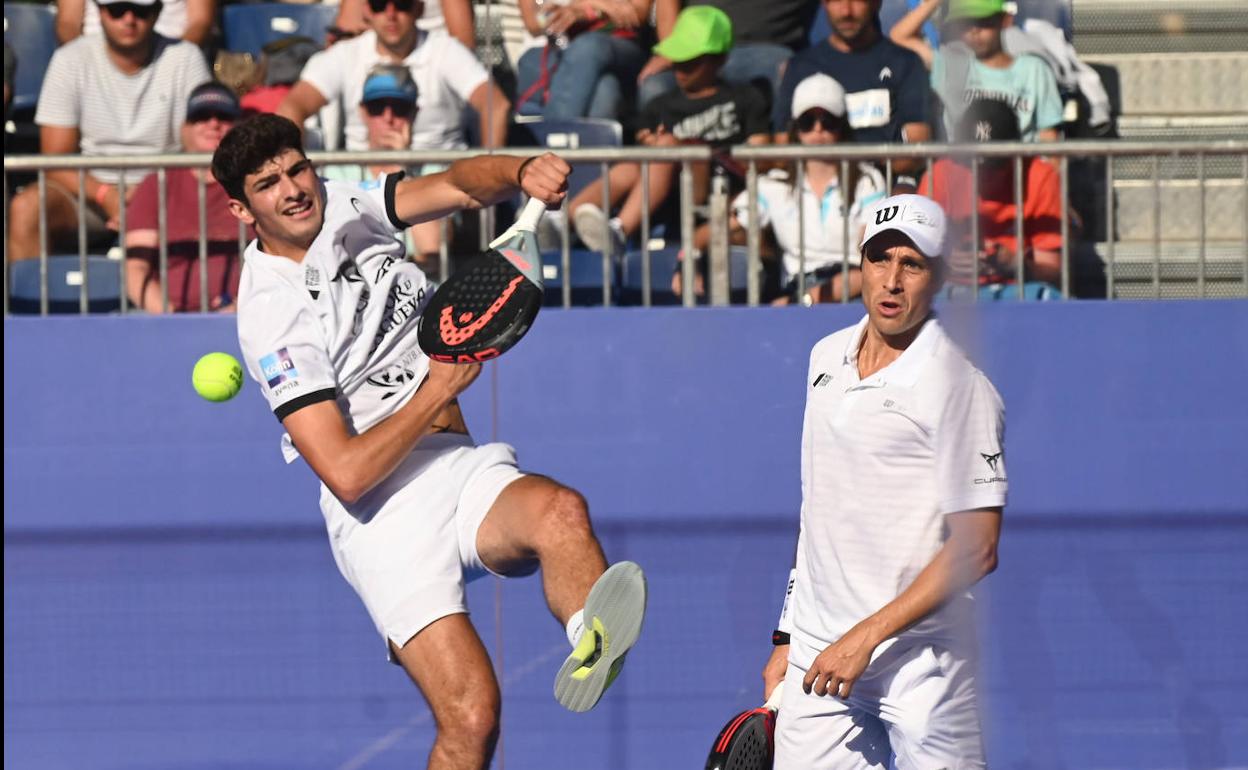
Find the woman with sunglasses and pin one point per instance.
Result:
(818, 117)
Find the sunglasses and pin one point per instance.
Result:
(811, 118)
(377, 108)
(204, 117)
(402, 6)
(119, 10)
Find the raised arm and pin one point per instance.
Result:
(480, 181)
(303, 101)
(908, 31)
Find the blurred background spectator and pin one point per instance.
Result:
(448, 75)
(765, 35)
(388, 109)
(123, 92)
(582, 57)
(211, 111)
(281, 64)
(972, 64)
(189, 20)
(702, 109)
(10, 72)
(886, 91)
(818, 119)
(949, 183)
(454, 17)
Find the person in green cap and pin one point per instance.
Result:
(702, 109)
(972, 65)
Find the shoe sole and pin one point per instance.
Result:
(614, 612)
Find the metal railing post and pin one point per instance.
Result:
(717, 252)
(688, 268)
(647, 287)
(753, 259)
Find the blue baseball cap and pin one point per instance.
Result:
(390, 83)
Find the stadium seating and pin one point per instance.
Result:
(662, 264)
(249, 27)
(584, 278)
(30, 30)
(65, 281)
(1056, 12)
(571, 134)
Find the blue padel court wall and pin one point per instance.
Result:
(170, 600)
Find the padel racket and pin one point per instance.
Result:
(490, 301)
(747, 742)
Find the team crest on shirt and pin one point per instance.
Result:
(994, 464)
(278, 367)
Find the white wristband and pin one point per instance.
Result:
(785, 623)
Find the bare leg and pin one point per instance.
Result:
(537, 518)
(449, 664)
(62, 216)
(661, 176)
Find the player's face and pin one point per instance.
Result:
(898, 284)
(283, 201)
(851, 19)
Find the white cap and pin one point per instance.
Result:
(919, 218)
(819, 90)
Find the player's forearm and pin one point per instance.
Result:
(486, 179)
(371, 456)
(958, 565)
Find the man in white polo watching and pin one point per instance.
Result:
(447, 74)
(903, 485)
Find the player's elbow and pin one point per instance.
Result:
(986, 559)
(348, 487)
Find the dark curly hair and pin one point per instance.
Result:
(248, 146)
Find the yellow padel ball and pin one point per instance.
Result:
(218, 377)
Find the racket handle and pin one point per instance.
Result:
(773, 701)
(530, 216)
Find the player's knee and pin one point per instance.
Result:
(474, 723)
(568, 513)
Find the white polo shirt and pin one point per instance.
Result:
(446, 73)
(883, 461)
(824, 222)
(341, 324)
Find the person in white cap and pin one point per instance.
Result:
(903, 487)
(817, 227)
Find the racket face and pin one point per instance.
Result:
(484, 309)
(746, 742)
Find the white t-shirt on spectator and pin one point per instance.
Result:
(170, 23)
(824, 223)
(116, 113)
(884, 460)
(444, 70)
(340, 325)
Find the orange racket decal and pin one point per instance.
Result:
(453, 333)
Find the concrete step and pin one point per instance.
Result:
(1159, 26)
(1205, 83)
(1225, 215)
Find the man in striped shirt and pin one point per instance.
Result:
(120, 93)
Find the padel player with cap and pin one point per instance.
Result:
(903, 485)
(327, 320)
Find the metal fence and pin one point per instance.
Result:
(1116, 181)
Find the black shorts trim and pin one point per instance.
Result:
(294, 405)
(392, 181)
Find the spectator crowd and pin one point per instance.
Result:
(152, 77)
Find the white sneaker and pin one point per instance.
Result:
(590, 223)
(614, 611)
(551, 229)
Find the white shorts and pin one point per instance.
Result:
(913, 709)
(409, 545)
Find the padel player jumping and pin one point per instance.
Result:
(327, 321)
(903, 485)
